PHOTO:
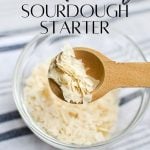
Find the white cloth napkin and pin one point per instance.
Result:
(14, 135)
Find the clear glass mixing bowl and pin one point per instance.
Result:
(118, 47)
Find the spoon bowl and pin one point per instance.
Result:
(95, 69)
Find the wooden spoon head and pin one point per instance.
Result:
(93, 60)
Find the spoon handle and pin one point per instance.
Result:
(131, 74)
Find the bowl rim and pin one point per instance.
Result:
(55, 142)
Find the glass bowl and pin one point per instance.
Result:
(133, 101)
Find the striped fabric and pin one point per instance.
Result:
(14, 134)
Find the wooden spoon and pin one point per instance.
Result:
(111, 74)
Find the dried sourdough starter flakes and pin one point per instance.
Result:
(83, 124)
